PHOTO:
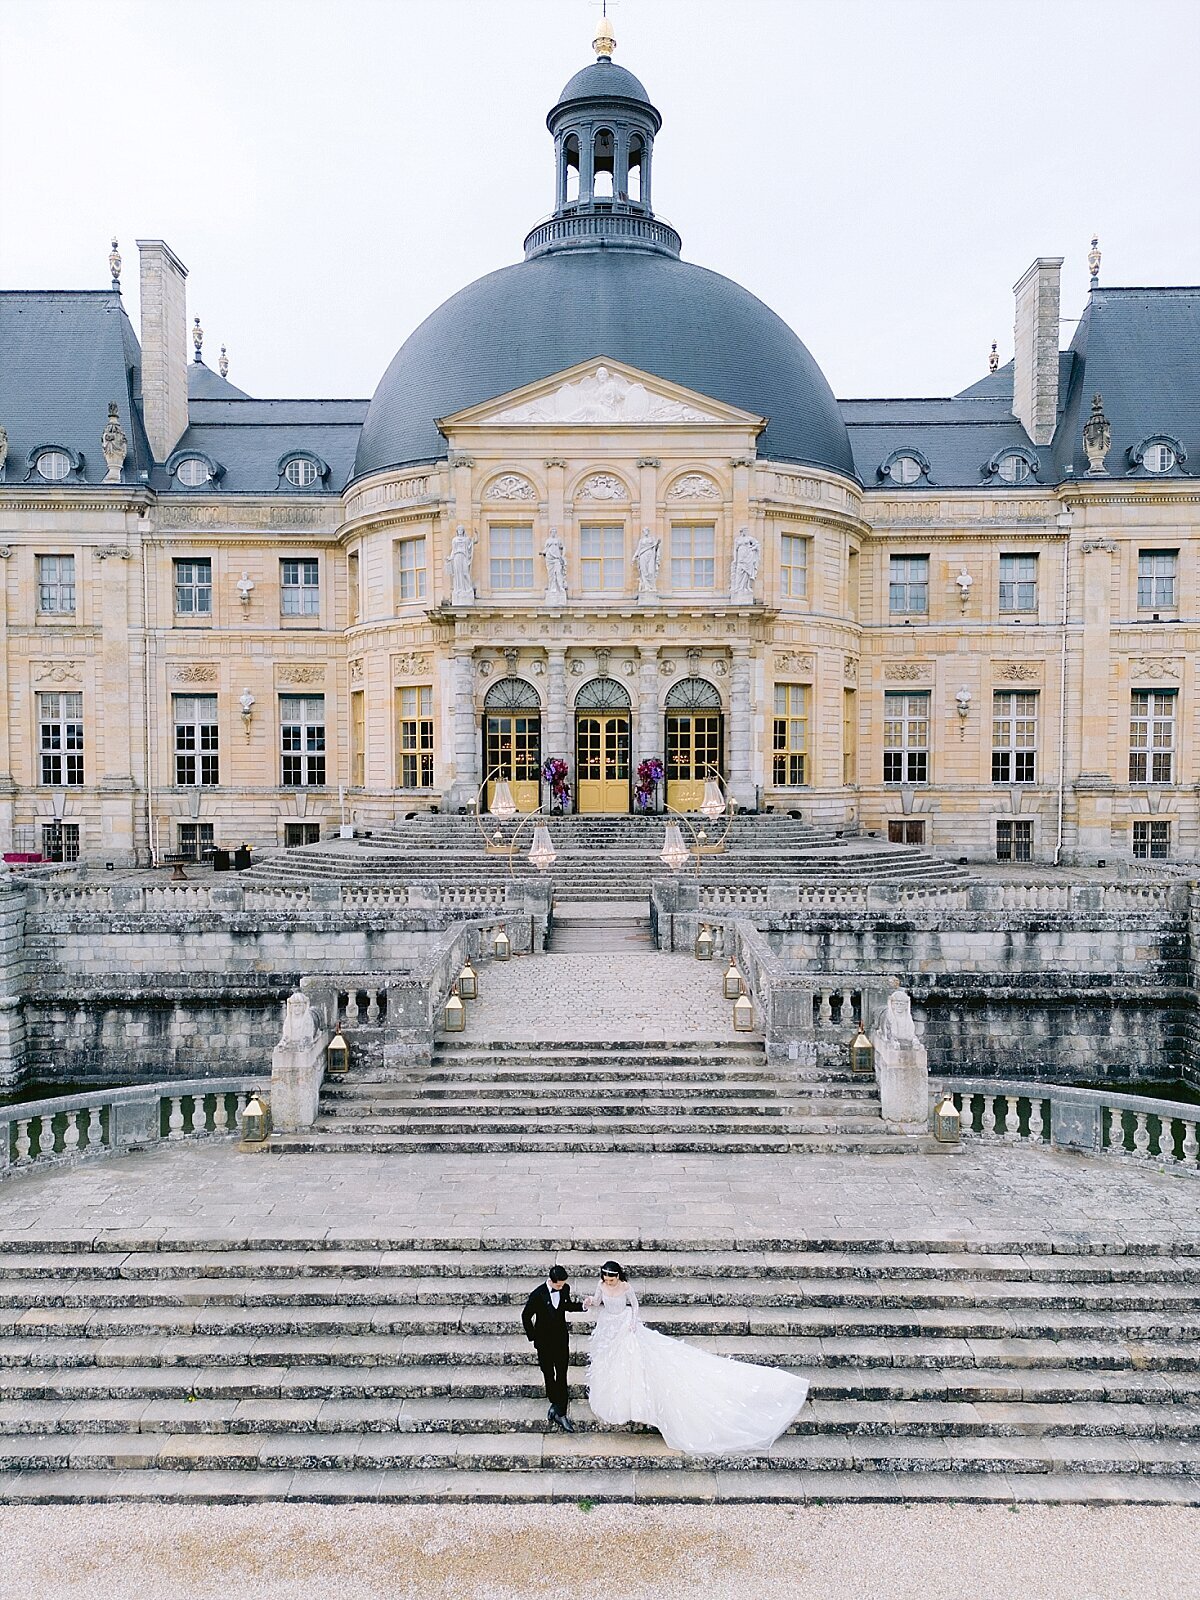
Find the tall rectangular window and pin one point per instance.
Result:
(602, 557)
(1157, 571)
(511, 555)
(852, 581)
(415, 716)
(693, 556)
(1152, 736)
(411, 568)
(906, 738)
(849, 736)
(1018, 584)
(793, 567)
(197, 740)
(1014, 839)
(56, 585)
(193, 587)
(352, 594)
(302, 740)
(1014, 737)
(908, 585)
(299, 588)
(790, 741)
(1151, 840)
(358, 738)
(60, 739)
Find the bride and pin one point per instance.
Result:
(701, 1404)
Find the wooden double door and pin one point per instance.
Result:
(602, 761)
(512, 748)
(693, 754)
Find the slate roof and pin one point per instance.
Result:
(64, 355)
(249, 438)
(205, 384)
(603, 80)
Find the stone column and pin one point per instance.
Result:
(648, 733)
(121, 694)
(554, 739)
(466, 733)
(741, 731)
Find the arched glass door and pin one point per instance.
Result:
(602, 712)
(695, 741)
(512, 741)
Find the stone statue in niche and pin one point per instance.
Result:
(458, 564)
(555, 557)
(743, 568)
(646, 558)
(114, 444)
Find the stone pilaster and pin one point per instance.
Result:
(741, 732)
(466, 734)
(1094, 783)
(554, 738)
(648, 733)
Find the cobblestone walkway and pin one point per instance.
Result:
(210, 1191)
(636, 996)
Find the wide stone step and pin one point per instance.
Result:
(591, 1109)
(316, 1142)
(601, 1124)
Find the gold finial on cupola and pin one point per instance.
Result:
(605, 41)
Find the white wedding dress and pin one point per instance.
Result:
(702, 1404)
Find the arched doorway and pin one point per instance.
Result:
(695, 741)
(512, 741)
(602, 746)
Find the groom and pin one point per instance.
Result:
(547, 1329)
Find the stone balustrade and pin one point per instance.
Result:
(1093, 1121)
(130, 899)
(111, 1121)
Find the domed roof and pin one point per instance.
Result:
(602, 80)
(645, 308)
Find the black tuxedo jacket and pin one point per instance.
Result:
(543, 1324)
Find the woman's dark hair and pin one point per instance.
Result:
(614, 1266)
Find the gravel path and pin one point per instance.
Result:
(609, 1553)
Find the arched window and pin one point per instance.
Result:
(571, 163)
(637, 152)
(512, 694)
(694, 694)
(602, 694)
(604, 147)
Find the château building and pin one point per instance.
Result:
(602, 506)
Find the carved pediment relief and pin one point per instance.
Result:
(909, 671)
(510, 486)
(694, 486)
(602, 486)
(1154, 669)
(1018, 672)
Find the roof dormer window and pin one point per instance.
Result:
(53, 465)
(1158, 454)
(904, 467)
(301, 470)
(1012, 466)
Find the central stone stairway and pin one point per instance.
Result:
(600, 1052)
(396, 1369)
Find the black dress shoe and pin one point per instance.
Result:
(565, 1423)
(552, 1415)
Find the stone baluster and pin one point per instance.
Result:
(175, 1120)
(95, 1127)
(1037, 1121)
(826, 1012)
(220, 1114)
(1116, 1131)
(846, 1009)
(45, 1136)
(24, 1143)
(352, 1007)
(988, 1125)
(1191, 1143)
(1012, 1118)
(1141, 1133)
(200, 1113)
(373, 1005)
(1166, 1138)
(71, 1133)
(966, 1112)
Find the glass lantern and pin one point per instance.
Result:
(337, 1055)
(947, 1121)
(732, 980)
(454, 1018)
(256, 1121)
(743, 1013)
(501, 945)
(862, 1056)
(704, 943)
(468, 981)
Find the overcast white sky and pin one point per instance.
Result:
(880, 172)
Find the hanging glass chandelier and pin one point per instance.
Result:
(675, 854)
(503, 805)
(713, 803)
(542, 853)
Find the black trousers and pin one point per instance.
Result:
(553, 1359)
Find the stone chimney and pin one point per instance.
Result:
(164, 346)
(1035, 349)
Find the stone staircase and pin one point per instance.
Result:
(599, 928)
(388, 1368)
(690, 1095)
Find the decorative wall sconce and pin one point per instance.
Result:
(247, 704)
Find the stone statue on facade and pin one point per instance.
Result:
(1097, 439)
(646, 559)
(458, 564)
(743, 569)
(3, 450)
(114, 444)
(555, 557)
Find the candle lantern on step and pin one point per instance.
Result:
(947, 1121)
(468, 981)
(337, 1055)
(256, 1122)
(704, 943)
(732, 980)
(862, 1056)
(743, 1012)
(454, 1018)
(501, 945)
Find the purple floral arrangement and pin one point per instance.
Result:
(554, 773)
(649, 776)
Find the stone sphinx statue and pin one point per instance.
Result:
(299, 1021)
(897, 1025)
(298, 1065)
(901, 1066)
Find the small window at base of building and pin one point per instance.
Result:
(301, 471)
(1151, 841)
(53, 465)
(906, 830)
(60, 841)
(296, 834)
(1014, 840)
